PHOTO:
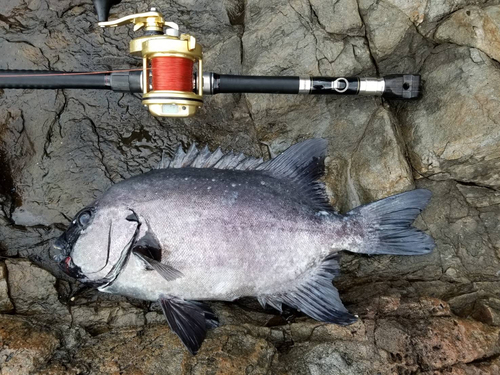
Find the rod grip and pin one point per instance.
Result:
(214, 83)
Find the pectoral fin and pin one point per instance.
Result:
(148, 249)
(189, 320)
(167, 272)
(148, 246)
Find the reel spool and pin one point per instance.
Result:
(170, 61)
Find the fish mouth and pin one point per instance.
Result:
(67, 265)
(64, 260)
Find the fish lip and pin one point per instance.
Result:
(68, 267)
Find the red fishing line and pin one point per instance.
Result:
(172, 73)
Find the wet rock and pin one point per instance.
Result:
(369, 149)
(98, 318)
(431, 345)
(156, 350)
(461, 85)
(338, 17)
(24, 346)
(474, 27)
(395, 43)
(378, 167)
(33, 292)
(436, 342)
(370, 146)
(487, 311)
(462, 270)
(5, 303)
(289, 38)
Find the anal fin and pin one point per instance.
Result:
(316, 296)
(189, 320)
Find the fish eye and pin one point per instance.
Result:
(84, 218)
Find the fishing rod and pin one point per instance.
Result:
(172, 81)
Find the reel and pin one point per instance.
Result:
(172, 63)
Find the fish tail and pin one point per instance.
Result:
(386, 225)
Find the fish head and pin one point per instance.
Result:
(94, 243)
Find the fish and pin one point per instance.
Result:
(220, 226)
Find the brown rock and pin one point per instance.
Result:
(5, 302)
(102, 317)
(417, 308)
(324, 332)
(440, 343)
(396, 343)
(487, 311)
(24, 346)
(157, 350)
(487, 368)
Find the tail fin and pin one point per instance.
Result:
(387, 225)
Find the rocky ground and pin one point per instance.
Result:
(435, 314)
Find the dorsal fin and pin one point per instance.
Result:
(195, 158)
(303, 164)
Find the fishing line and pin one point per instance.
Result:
(70, 73)
(172, 73)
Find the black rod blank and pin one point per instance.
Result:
(36, 79)
(50, 80)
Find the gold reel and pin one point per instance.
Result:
(160, 100)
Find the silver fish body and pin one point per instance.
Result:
(230, 233)
(223, 227)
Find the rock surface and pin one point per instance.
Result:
(5, 302)
(475, 27)
(436, 314)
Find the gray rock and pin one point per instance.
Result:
(488, 311)
(395, 42)
(461, 90)
(32, 291)
(338, 16)
(474, 27)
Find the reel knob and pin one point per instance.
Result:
(102, 8)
